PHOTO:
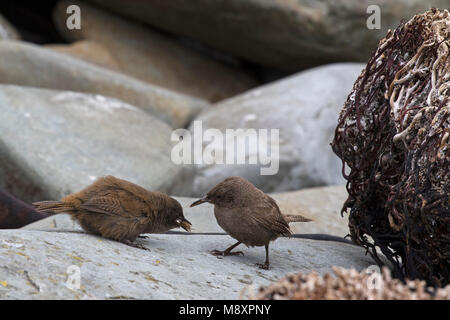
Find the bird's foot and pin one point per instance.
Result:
(225, 253)
(264, 266)
(135, 245)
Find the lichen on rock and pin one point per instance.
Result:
(393, 134)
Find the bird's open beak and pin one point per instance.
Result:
(186, 225)
(200, 201)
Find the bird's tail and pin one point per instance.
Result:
(52, 207)
(295, 218)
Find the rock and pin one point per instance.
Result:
(89, 51)
(7, 31)
(60, 222)
(151, 56)
(39, 264)
(283, 34)
(304, 108)
(322, 205)
(15, 213)
(68, 139)
(30, 65)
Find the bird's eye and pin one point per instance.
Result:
(178, 221)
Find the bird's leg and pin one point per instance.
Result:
(134, 245)
(265, 266)
(228, 252)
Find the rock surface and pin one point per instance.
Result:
(322, 205)
(60, 222)
(7, 31)
(304, 108)
(30, 65)
(281, 33)
(151, 56)
(53, 143)
(38, 265)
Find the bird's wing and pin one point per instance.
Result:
(104, 204)
(268, 215)
(133, 195)
(112, 207)
(118, 197)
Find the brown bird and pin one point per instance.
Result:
(119, 210)
(248, 215)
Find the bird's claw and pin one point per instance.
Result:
(135, 245)
(219, 253)
(140, 246)
(264, 266)
(235, 253)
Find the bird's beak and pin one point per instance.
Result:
(186, 225)
(200, 201)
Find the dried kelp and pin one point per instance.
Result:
(393, 134)
(349, 284)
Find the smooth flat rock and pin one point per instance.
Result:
(37, 265)
(59, 222)
(53, 143)
(26, 64)
(7, 31)
(152, 56)
(304, 108)
(284, 34)
(322, 205)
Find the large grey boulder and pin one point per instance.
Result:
(30, 65)
(304, 108)
(152, 56)
(45, 265)
(53, 143)
(281, 33)
(322, 205)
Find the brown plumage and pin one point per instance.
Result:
(119, 210)
(248, 215)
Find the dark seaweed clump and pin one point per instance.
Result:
(393, 139)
